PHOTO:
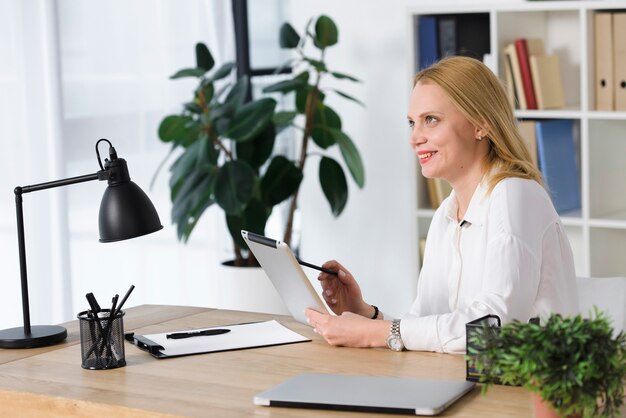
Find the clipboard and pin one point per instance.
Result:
(239, 337)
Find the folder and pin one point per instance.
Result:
(619, 45)
(428, 41)
(546, 73)
(511, 52)
(557, 160)
(603, 22)
(238, 337)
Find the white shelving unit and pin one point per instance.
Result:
(597, 232)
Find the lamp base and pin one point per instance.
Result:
(39, 336)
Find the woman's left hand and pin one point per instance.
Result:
(349, 329)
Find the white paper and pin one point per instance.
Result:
(257, 334)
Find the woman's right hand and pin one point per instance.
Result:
(341, 292)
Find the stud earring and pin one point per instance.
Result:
(480, 138)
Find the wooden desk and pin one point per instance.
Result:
(50, 382)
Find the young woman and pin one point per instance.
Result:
(495, 245)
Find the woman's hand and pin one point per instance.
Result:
(348, 329)
(341, 292)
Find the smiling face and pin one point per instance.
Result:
(444, 140)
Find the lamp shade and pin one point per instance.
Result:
(125, 211)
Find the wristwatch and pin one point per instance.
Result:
(394, 340)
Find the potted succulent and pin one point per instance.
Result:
(317, 121)
(576, 366)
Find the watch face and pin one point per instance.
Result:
(394, 342)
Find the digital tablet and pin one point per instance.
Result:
(285, 273)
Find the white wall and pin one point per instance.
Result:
(373, 237)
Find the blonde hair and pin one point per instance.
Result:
(480, 96)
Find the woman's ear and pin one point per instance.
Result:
(481, 132)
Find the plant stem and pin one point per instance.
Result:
(310, 108)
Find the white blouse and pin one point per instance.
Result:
(509, 256)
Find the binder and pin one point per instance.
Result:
(472, 32)
(428, 41)
(603, 22)
(619, 45)
(524, 64)
(511, 52)
(447, 35)
(557, 161)
(527, 130)
(238, 337)
(546, 73)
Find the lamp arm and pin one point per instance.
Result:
(100, 175)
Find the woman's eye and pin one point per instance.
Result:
(411, 124)
(430, 119)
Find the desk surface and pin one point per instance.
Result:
(50, 380)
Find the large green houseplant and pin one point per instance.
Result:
(316, 120)
(227, 144)
(576, 365)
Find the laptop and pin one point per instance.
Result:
(285, 273)
(396, 395)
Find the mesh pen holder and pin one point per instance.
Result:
(102, 340)
(471, 329)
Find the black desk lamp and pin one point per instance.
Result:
(125, 212)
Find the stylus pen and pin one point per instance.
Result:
(313, 266)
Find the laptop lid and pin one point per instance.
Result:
(365, 393)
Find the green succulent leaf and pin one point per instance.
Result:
(326, 33)
(342, 76)
(223, 71)
(347, 96)
(250, 119)
(284, 86)
(334, 185)
(280, 181)
(204, 59)
(189, 72)
(350, 155)
(325, 118)
(257, 150)
(288, 37)
(234, 186)
(253, 219)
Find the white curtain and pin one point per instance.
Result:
(73, 72)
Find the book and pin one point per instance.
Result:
(509, 84)
(546, 73)
(527, 130)
(510, 53)
(557, 161)
(603, 61)
(447, 35)
(619, 56)
(521, 48)
(428, 41)
(438, 190)
(472, 35)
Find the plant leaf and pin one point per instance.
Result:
(180, 130)
(288, 37)
(325, 117)
(250, 119)
(204, 59)
(280, 181)
(253, 219)
(189, 72)
(281, 119)
(347, 96)
(223, 71)
(237, 95)
(342, 76)
(319, 65)
(284, 86)
(350, 155)
(257, 150)
(233, 186)
(334, 185)
(326, 33)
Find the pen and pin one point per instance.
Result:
(313, 266)
(179, 335)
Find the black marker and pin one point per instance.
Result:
(179, 335)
